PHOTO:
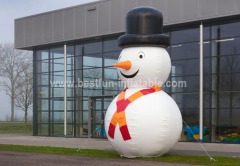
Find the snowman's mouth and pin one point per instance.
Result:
(130, 76)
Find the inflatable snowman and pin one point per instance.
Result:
(143, 121)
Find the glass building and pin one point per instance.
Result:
(89, 57)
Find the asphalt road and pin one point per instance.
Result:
(33, 159)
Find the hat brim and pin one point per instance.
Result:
(129, 40)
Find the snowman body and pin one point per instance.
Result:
(154, 122)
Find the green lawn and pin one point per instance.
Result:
(15, 127)
(203, 160)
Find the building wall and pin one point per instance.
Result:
(91, 60)
(108, 17)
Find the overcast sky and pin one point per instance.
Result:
(12, 9)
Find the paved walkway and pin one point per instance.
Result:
(214, 149)
(31, 159)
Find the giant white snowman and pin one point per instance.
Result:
(143, 121)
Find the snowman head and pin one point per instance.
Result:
(140, 67)
(144, 62)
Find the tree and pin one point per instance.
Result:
(24, 94)
(13, 63)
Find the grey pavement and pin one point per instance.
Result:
(32, 159)
(189, 148)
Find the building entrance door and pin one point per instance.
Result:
(97, 109)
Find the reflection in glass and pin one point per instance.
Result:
(42, 66)
(187, 66)
(110, 58)
(92, 48)
(92, 61)
(226, 30)
(42, 79)
(42, 55)
(42, 105)
(57, 52)
(43, 129)
(42, 92)
(110, 45)
(186, 35)
(110, 74)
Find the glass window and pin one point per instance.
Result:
(43, 117)
(206, 33)
(42, 66)
(226, 30)
(57, 64)
(92, 61)
(235, 114)
(185, 51)
(43, 129)
(70, 80)
(190, 101)
(111, 45)
(189, 35)
(92, 92)
(207, 82)
(110, 73)
(58, 92)
(58, 77)
(78, 62)
(191, 116)
(70, 91)
(230, 64)
(207, 66)
(42, 92)
(230, 82)
(186, 35)
(92, 48)
(42, 55)
(78, 106)
(113, 85)
(187, 67)
(70, 51)
(42, 105)
(228, 46)
(70, 104)
(57, 105)
(229, 100)
(112, 92)
(92, 74)
(57, 52)
(85, 116)
(70, 129)
(42, 79)
(85, 104)
(78, 50)
(58, 129)
(110, 58)
(178, 84)
(70, 63)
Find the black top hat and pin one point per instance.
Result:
(143, 27)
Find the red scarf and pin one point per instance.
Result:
(119, 116)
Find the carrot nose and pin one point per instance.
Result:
(124, 65)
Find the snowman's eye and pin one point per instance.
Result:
(141, 55)
(119, 57)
